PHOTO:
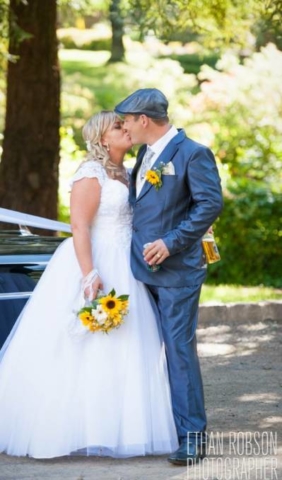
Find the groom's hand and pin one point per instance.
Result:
(156, 253)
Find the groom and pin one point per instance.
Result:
(176, 196)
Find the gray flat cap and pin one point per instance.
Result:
(147, 101)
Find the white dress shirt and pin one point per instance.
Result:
(157, 148)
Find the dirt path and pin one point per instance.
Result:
(241, 365)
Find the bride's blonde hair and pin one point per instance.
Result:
(93, 132)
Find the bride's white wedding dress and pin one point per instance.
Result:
(64, 392)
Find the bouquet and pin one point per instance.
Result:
(105, 312)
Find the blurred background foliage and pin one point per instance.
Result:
(224, 86)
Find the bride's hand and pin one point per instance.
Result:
(90, 292)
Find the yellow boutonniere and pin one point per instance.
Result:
(154, 177)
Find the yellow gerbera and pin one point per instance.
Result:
(111, 305)
(152, 177)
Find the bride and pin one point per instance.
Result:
(63, 389)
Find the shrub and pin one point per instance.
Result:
(240, 108)
(249, 235)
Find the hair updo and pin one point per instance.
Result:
(93, 132)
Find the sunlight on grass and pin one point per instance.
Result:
(234, 293)
(90, 57)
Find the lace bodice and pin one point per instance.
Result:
(114, 217)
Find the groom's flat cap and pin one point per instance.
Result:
(147, 101)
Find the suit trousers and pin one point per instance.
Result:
(177, 311)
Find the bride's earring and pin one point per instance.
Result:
(107, 147)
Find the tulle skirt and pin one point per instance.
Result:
(64, 390)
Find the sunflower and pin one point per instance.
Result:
(152, 177)
(86, 318)
(111, 305)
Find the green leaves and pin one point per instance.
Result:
(218, 22)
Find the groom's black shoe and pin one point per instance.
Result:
(188, 453)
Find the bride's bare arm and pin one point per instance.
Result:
(84, 203)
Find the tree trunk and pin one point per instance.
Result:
(30, 160)
(117, 49)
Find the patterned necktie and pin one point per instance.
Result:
(146, 162)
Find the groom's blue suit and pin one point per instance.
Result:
(179, 213)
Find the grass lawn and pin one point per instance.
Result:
(234, 293)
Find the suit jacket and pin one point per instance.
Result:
(179, 213)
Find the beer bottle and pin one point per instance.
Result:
(210, 248)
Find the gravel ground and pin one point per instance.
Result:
(241, 366)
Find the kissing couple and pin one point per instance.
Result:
(138, 389)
